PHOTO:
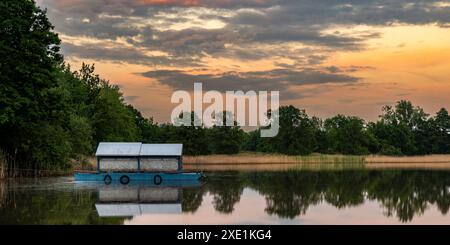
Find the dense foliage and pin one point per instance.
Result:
(401, 130)
(50, 115)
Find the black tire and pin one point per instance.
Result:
(107, 179)
(202, 176)
(157, 180)
(124, 180)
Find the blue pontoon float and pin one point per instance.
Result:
(137, 162)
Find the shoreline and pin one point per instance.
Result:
(251, 161)
(263, 158)
(261, 162)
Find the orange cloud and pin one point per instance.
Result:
(172, 2)
(194, 3)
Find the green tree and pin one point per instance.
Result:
(148, 130)
(112, 121)
(347, 135)
(193, 138)
(49, 114)
(31, 102)
(80, 131)
(225, 139)
(441, 132)
(296, 133)
(251, 140)
(29, 52)
(404, 128)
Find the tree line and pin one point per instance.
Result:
(51, 115)
(403, 129)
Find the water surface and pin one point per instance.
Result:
(266, 196)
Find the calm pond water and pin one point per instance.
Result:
(268, 196)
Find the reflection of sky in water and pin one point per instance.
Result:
(250, 210)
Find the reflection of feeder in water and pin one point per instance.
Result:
(137, 200)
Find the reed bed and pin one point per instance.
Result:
(333, 159)
(408, 159)
(280, 167)
(86, 164)
(3, 165)
(27, 173)
(9, 169)
(3, 193)
(406, 165)
(264, 158)
(261, 158)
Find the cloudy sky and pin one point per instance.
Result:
(327, 56)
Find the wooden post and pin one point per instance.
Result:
(98, 164)
(139, 164)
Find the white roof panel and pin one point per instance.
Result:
(131, 209)
(116, 210)
(161, 150)
(118, 149)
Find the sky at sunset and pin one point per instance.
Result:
(328, 57)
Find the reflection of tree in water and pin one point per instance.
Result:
(344, 189)
(289, 206)
(409, 193)
(226, 191)
(51, 207)
(290, 194)
(287, 194)
(404, 194)
(443, 202)
(2, 193)
(192, 199)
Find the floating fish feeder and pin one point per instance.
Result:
(135, 161)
